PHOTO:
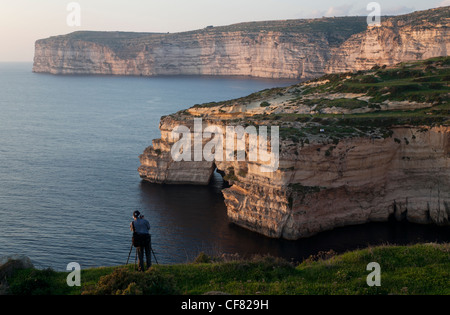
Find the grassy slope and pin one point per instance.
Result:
(422, 82)
(415, 269)
(425, 81)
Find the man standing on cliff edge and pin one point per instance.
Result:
(141, 239)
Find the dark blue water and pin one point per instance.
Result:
(69, 148)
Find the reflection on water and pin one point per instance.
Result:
(192, 219)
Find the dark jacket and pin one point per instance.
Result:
(141, 226)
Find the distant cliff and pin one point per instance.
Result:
(274, 49)
(409, 37)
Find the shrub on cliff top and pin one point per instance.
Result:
(124, 281)
(413, 269)
(37, 282)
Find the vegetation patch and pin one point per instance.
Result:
(420, 92)
(346, 103)
(421, 269)
(231, 176)
(422, 81)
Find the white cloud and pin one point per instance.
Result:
(398, 10)
(342, 10)
(444, 3)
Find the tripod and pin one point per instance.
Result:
(135, 256)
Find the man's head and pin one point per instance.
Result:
(136, 214)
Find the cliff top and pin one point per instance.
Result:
(342, 25)
(439, 15)
(336, 28)
(346, 104)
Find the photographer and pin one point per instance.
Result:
(141, 239)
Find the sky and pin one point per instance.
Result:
(22, 22)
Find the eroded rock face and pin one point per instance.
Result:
(268, 54)
(343, 158)
(276, 49)
(407, 38)
(315, 188)
(362, 180)
(158, 166)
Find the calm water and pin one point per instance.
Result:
(69, 148)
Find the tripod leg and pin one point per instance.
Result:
(131, 248)
(135, 258)
(151, 249)
(154, 256)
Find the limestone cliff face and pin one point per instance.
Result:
(268, 54)
(158, 166)
(275, 49)
(405, 38)
(344, 158)
(362, 180)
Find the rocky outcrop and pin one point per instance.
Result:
(275, 49)
(361, 180)
(343, 158)
(158, 166)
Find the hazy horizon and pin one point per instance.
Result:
(22, 22)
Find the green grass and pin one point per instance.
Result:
(420, 81)
(414, 269)
(433, 70)
(340, 102)
(50, 282)
(425, 81)
(246, 99)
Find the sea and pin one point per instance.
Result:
(69, 153)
